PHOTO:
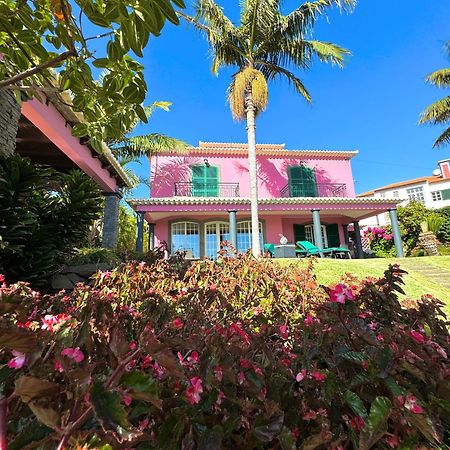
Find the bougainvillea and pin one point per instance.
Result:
(238, 353)
(381, 241)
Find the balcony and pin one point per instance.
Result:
(317, 190)
(189, 189)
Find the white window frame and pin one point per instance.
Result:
(309, 235)
(218, 226)
(416, 193)
(436, 196)
(247, 225)
(186, 226)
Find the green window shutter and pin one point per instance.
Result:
(302, 181)
(445, 194)
(205, 181)
(333, 235)
(299, 233)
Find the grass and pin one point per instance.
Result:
(329, 271)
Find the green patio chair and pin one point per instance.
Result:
(312, 250)
(270, 248)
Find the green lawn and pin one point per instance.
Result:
(330, 270)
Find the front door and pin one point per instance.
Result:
(215, 233)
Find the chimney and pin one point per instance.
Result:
(445, 168)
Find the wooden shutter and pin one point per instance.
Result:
(445, 194)
(205, 181)
(299, 233)
(333, 235)
(302, 181)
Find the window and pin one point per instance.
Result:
(395, 194)
(185, 236)
(244, 236)
(436, 196)
(205, 181)
(416, 194)
(309, 234)
(302, 182)
(215, 233)
(383, 194)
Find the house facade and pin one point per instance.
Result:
(202, 198)
(433, 191)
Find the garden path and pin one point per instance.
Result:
(435, 274)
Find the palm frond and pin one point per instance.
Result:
(443, 139)
(271, 71)
(440, 78)
(437, 113)
(328, 52)
(149, 144)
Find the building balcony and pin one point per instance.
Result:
(314, 190)
(189, 189)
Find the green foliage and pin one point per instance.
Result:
(238, 353)
(435, 222)
(438, 113)
(44, 215)
(381, 241)
(410, 218)
(127, 230)
(94, 255)
(49, 34)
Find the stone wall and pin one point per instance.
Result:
(9, 121)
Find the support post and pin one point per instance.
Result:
(317, 229)
(140, 232)
(110, 231)
(358, 242)
(346, 235)
(233, 229)
(396, 233)
(151, 236)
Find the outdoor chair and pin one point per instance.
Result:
(311, 250)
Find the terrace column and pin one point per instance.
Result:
(140, 232)
(346, 235)
(110, 231)
(317, 229)
(151, 236)
(396, 232)
(233, 229)
(358, 243)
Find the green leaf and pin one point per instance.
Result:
(101, 63)
(80, 130)
(286, 439)
(355, 404)
(211, 439)
(425, 425)
(32, 432)
(376, 423)
(266, 433)
(355, 356)
(141, 385)
(109, 409)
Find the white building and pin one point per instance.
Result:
(432, 191)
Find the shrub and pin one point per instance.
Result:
(241, 353)
(410, 218)
(381, 241)
(435, 222)
(44, 215)
(94, 255)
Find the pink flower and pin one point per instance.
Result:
(309, 320)
(340, 294)
(177, 323)
(319, 376)
(380, 337)
(132, 346)
(301, 375)
(393, 441)
(2, 278)
(245, 363)
(357, 423)
(309, 415)
(58, 367)
(51, 323)
(193, 358)
(373, 325)
(213, 287)
(284, 333)
(218, 373)
(18, 361)
(412, 405)
(127, 399)
(146, 362)
(194, 390)
(418, 337)
(241, 377)
(257, 311)
(73, 353)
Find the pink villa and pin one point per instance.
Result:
(201, 198)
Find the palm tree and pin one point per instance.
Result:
(438, 113)
(132, 148)
(265, 44)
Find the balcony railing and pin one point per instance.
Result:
(189, 189)
(317, 190)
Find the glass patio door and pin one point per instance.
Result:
(215, 233)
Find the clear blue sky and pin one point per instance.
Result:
(372, 105)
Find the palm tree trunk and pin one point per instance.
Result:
(251, 139)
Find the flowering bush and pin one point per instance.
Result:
(381, 241)
(236, 353)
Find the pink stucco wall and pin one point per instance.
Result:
(272, 172)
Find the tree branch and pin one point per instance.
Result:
(39, 68)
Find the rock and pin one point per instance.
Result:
(75, 278)
(60, 281)
(86, 270)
